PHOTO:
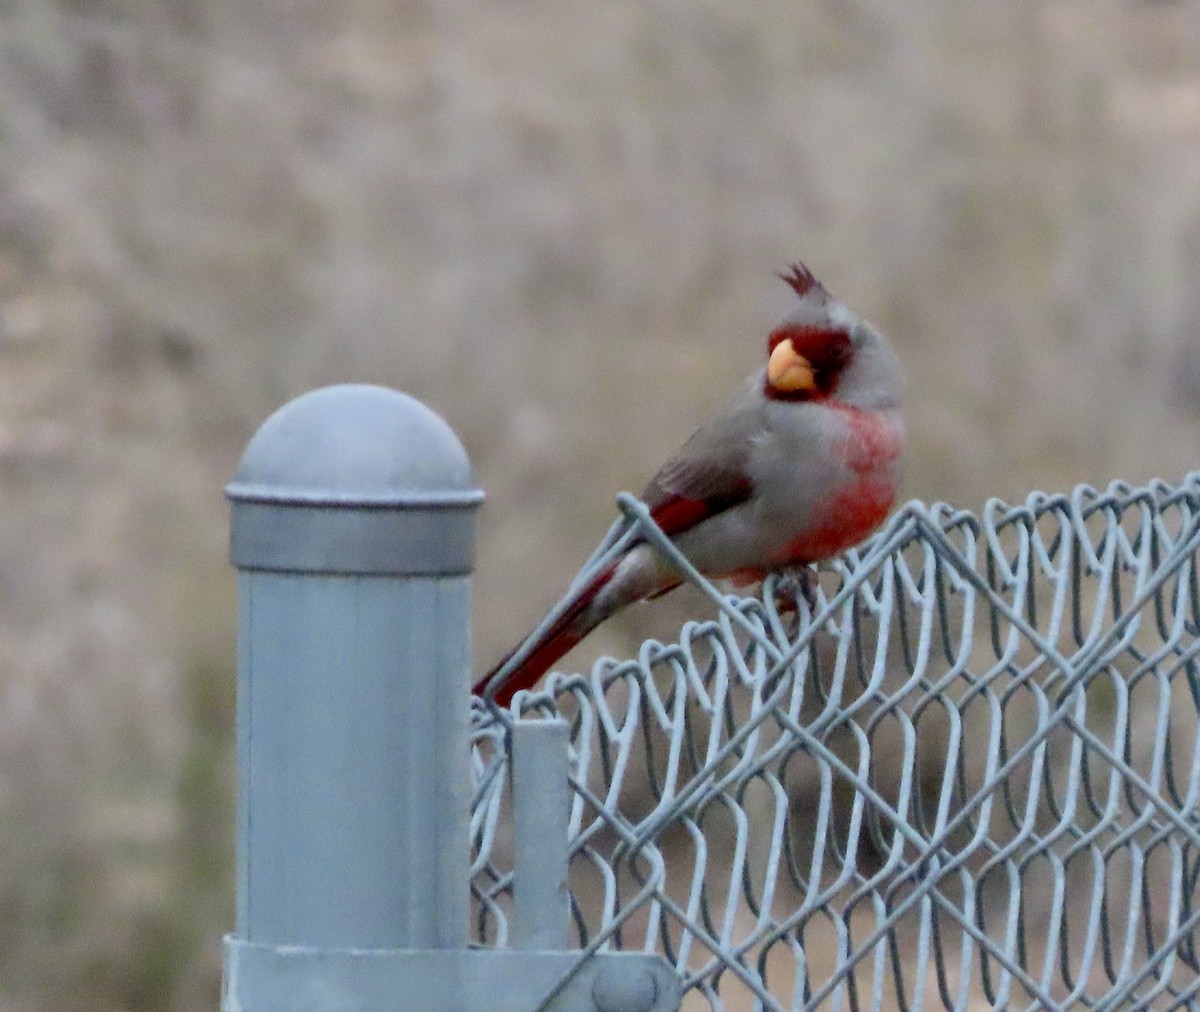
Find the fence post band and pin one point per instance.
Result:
(282, 979)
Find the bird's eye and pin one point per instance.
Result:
(839, 352)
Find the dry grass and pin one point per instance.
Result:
(557, 223)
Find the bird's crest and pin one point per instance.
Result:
(800, 279)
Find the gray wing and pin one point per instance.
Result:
(709, 472)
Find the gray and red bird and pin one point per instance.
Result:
(801, 463)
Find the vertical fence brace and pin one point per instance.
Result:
(541, 807)
(352, 529)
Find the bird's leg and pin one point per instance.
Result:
(792, 583)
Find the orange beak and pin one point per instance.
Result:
(788, 370)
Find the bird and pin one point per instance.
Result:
(801, 463)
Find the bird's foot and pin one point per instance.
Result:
(793, 584)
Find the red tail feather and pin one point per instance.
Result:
(557, 640)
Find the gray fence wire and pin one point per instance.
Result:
(967, 778)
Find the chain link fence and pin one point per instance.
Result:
(958, 769)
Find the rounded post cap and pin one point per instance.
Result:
(354, 479)
(355, 445)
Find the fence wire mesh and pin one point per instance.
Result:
(961, 771)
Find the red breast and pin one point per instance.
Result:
(869, 444)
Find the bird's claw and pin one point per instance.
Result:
(793, 583)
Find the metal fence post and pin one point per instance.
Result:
(353, 522)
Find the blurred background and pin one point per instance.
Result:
(557, 223)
